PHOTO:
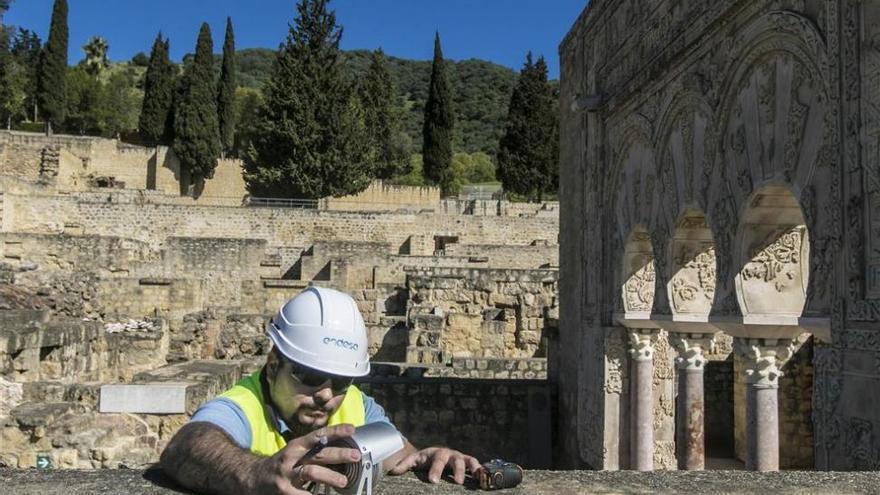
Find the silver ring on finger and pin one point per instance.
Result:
(298, 478)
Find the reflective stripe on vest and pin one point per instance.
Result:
(265, 439)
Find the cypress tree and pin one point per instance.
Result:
(196, 131)
(382, 117)
(528, 153)
(309, 141)
(6, 67)
(26, 49)
(438, 126)
(53, 68)
(226, 91)
(158, 95)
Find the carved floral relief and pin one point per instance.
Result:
(779, 262)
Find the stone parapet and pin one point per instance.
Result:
(154, 482)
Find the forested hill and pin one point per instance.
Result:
(481, 92)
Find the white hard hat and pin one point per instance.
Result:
(322, 329)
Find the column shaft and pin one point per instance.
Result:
(763, 360)
(642, 432)
(762, 416)
(690, 420)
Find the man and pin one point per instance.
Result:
(256, 437)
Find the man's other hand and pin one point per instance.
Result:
(435, 460)
(295, 466)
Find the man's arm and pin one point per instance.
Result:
(203, 458)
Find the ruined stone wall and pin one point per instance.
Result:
(522, 257)
(485, 313)
(227, 181)
(379, 196)
(93, 214)
(83, 159)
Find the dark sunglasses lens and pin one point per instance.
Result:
(312, 379)
(340, 383)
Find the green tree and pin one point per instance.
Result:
(389, 146)
(26, 48)
(119, 106)
(226, 91)
(96, 60)
(159, 85)
(196, 131)
(13, 91)
(83, 99)
(140, 59)
(53, 68)
(528, 156)
(309, 140)
(438, 125)
(247, 113)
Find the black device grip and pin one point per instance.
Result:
(497, 475)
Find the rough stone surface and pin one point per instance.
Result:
(125, 482)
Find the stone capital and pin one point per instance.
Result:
(763, 359)
(642, 343)
(691, 348)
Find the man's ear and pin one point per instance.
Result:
(272, 365)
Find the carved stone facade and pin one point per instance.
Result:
(728, 180)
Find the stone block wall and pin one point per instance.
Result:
(153, 223)
(227, 181)
(486, 313)
(132, 167)
(508, 419)
(71, 350)
(543, 255)
(380, 196)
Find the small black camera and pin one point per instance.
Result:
(497, 474)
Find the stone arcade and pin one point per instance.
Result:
(720, 174)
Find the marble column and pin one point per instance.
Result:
(642, 399)
(690, 415)
(763, 360)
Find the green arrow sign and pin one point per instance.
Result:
(44, 461)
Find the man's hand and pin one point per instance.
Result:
(292, 468)
(435, 460)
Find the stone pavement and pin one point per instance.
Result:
(129, 482)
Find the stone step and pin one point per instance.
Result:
(176, 388)
(56, 391)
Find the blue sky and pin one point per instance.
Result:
(498, 30)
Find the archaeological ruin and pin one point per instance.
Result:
(718, 240)
(128, 298)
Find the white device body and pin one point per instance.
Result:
(376, 442)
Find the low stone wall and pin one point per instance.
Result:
(79, 161)
(508, 419)
(153, 222)
(379, 196)
(155, 482)
(543, 255)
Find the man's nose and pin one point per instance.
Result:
(323, 394)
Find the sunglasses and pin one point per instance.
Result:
(313, 378)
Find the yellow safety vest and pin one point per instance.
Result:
(265, 438)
